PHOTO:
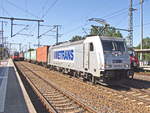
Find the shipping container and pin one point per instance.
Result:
(33, 55)
(27, 55)
(42, 54)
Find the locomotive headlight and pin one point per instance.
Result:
(126, 65)
(108, 66)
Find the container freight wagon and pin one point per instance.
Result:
(42, 55)
(21, 56)
(27, 56)
(33, 56)
(98, 59)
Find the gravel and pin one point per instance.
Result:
(103, 99)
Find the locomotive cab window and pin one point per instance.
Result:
(91, 47)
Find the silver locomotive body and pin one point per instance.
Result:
(94, 58)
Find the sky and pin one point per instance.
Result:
(71, 15)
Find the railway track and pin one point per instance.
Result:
(130, 90)
(122, 100)
(143, 73)
(136, 90)
(56, 99)
(140, 96)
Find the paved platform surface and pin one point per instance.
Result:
(11, 96)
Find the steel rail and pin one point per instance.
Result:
(35, 89)
(64, 92)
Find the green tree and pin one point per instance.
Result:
(101, 31)
(30, 49)
(146, 45)
(76, 38)
(105, 31)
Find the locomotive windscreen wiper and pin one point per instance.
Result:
(119, 46)
(109, 45)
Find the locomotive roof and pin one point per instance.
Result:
(112, 38)
(67, 43)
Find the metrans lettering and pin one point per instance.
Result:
(64, 55)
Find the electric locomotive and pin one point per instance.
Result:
(98, 59)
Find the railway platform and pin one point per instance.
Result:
(13, 96)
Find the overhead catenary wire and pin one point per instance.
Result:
(44, 6)
(118, 11)
(23, 10)
(21, 30)
(81, 26)
(47, 32)
(143, 25)
(2, 2)
(76, 28)
(26, 6)
(49, 8)
(32, 31)
(109, 16)
(7, 13)
(45, 3)
(121, 20)
(115, 15)
(26, 10)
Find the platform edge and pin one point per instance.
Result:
(28, 102)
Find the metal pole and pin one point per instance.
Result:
(141, 17)
(11, 27)
(10, 47)
(29, 51)
(20, 47)
(2, 41)
(57, 34)
(131, 24)
(2, 34)
(38, 33)
(29, 45)
(23, 19)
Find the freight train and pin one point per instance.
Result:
(95, 58)
(18, 56)
(15, 56)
